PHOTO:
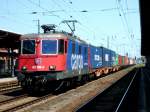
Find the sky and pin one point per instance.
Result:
(114, 24)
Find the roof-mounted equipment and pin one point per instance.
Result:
(49, 28)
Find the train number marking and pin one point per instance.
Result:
(38, 67)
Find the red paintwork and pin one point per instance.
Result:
(46, 61)
(57, 60)
(126, 62)
(120, 60)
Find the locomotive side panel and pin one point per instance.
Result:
(77, 58)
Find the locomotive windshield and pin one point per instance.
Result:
(28, 47)
(49, 46)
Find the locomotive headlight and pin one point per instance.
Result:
(52, 67)
(24, 68)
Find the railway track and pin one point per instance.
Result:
(13, 99)
(111, 100)
(21, 102)
(8, 90)
(9, 86)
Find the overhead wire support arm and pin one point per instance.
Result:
(72, 27)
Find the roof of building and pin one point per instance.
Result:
(9, 39)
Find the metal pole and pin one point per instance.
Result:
(38, 26)
(108, 42)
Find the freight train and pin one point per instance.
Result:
(54, 59)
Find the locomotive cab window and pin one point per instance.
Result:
(28, 47)
(49, 46)
(61, 46)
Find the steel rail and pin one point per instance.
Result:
(13, 99)
(126, 92)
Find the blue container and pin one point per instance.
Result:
(95, 57)
(106, 57)
(112, 58)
